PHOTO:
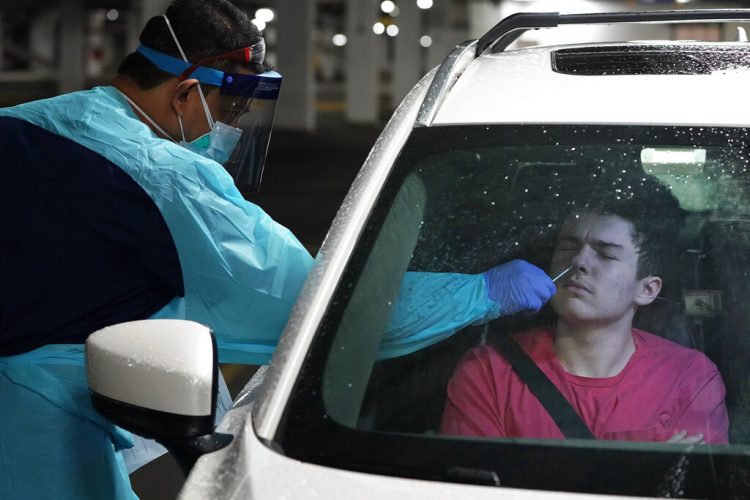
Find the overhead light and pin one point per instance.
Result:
(424, 4)
(266, 15)
(673, 160)
(339, 39)
(113, 14)
(378, 28)
(261, 25)
(387, 6)
(425, 41)
(391, 30)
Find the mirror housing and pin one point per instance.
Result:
(158, 379)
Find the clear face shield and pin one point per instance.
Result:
(253, 118)
(239, 137)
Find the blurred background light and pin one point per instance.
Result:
(266, 15)
(387, 6)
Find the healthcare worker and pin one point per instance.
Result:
(120, 203)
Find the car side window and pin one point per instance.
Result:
(464, 199)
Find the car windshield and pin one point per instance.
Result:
(462, 199)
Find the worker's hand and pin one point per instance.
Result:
(518, 287)
(681, 437)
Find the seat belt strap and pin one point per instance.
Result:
(563, 414)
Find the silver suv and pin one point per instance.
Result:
(480, 165)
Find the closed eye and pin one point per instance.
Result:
(605, 250)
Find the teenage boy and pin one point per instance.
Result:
(624, 383)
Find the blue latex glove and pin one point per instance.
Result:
(518, 287)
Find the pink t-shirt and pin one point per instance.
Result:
(663, 388)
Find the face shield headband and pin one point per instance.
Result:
(247, 106)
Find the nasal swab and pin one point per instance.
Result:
(562, 274)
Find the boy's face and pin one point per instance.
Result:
(601, 288)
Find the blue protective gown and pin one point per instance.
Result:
(221, 261)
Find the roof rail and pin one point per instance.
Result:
(509, 29)
(447, 74)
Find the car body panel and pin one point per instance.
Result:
(251, 469)
(527, 91)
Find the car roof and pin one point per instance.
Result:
(521, 86)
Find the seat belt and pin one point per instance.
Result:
(563, 414)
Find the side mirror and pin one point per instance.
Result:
(158, 379)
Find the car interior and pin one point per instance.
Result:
(702, 305)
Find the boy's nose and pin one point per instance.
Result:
(581, 262)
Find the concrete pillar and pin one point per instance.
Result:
(72, 49)
(133, 27)
(96, 20)
(42, 40)
(445, 36)
(2, 49)
(294, 48)
(408, 63)
(139, 13)
(150, 8)
(482, 16)
(361, 89)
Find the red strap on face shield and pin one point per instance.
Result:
(243, 55)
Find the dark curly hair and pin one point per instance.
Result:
(641, 199)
